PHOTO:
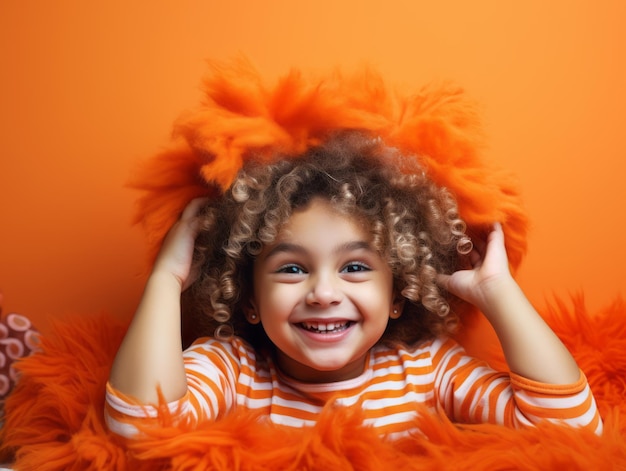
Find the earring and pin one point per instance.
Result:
(395, 312)
(253, 317)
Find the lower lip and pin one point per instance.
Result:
(329, 337)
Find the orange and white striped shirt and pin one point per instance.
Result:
(438, 374)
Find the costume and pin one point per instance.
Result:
(395, 385)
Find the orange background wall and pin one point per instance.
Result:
(87, 88)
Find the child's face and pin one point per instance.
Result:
(323, 294)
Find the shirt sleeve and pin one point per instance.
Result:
(212, 368)
(471, 392)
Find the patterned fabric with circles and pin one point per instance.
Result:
(18, 338)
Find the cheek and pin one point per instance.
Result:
(273, 299)
(376, 302)
(382, 292)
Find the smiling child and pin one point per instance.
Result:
(331, 277)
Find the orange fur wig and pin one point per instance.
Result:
(242, 115)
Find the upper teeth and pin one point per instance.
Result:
(323, 327)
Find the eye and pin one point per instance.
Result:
(291, 270)
(355, 267)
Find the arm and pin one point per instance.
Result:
(531, 348)
(151, 353)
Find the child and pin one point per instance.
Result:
(332, 276)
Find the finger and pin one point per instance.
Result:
(492, 231)
(496, 255)
(193, 208)
(475, 258)
(496, 235)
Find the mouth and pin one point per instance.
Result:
(326, 327)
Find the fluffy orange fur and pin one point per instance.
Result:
(243, 115)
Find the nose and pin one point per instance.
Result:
(323, 291)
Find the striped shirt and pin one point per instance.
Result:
(395, 384)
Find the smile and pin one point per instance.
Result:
(326, 328)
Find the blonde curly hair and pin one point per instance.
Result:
(414, 225)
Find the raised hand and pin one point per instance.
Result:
(490, 269)
(530, 347)
(176, 253)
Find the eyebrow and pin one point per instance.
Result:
(287, 247)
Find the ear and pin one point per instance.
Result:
(397, 308)
(252, 314)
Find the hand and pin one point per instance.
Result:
(176, 254)
(151, 353)
(490, 269)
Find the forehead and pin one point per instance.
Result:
(319, 229)
(320, 216)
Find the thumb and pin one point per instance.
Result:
(459, 284)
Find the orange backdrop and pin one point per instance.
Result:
(87, 88)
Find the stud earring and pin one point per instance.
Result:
(395, 311)
(253, 317)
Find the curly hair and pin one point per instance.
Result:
(414, 226)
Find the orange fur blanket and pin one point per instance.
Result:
(54, 418)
